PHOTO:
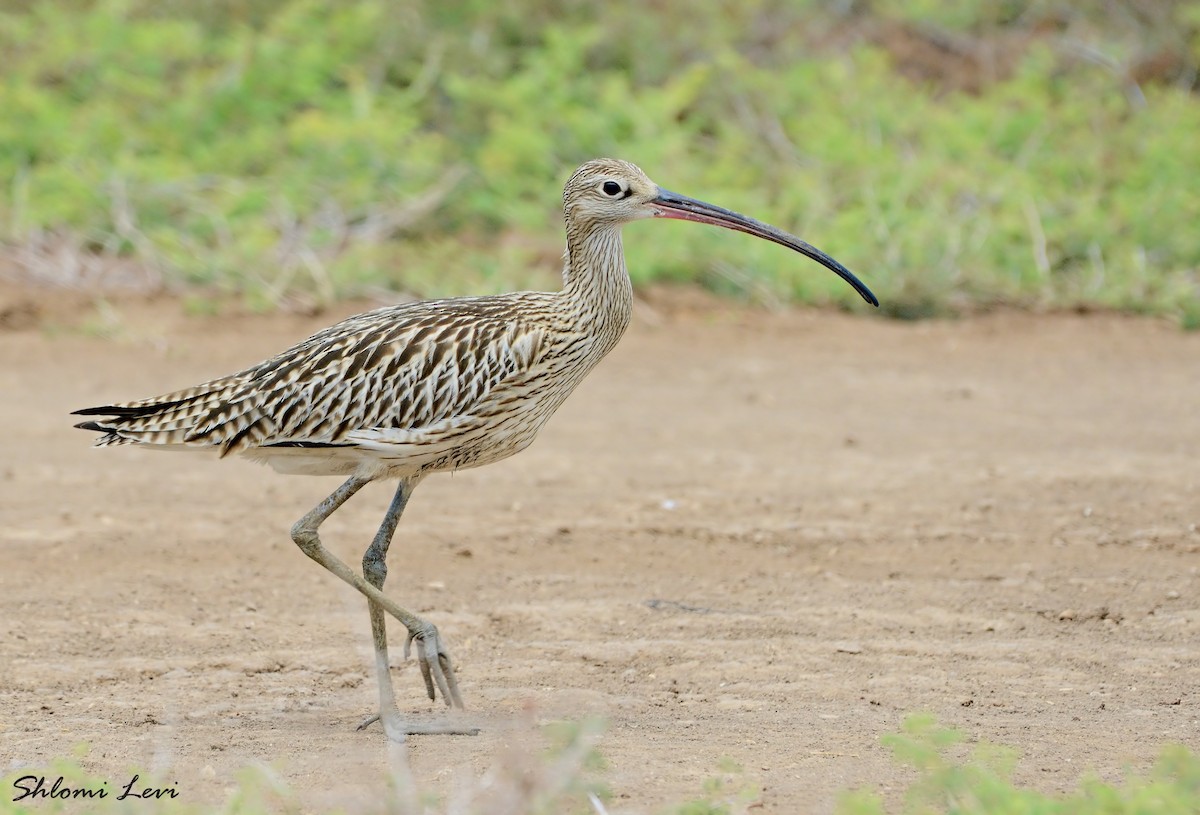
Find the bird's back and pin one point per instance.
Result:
(430, 384)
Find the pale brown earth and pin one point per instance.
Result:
(761, 537)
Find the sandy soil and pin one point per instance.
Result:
(761, 537)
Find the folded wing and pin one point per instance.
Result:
(395, 370)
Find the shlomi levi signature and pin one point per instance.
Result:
(34, 786)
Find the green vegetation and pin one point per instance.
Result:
(283, 148)
(981, 785)
(561, 780)
(724, 794)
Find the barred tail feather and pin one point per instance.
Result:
(164, 421)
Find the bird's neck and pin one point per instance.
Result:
(594, 277)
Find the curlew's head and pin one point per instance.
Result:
(612, 192)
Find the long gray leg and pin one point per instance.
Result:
(375, 571)
(431, 655)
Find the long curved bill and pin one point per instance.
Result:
(680, 207)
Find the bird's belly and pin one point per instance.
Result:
(499, 445)
(309, 461)
(507, 424)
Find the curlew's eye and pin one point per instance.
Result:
(611, 189)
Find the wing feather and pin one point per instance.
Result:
(396, 369)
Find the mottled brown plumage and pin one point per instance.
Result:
(404, 391)
(388, 392)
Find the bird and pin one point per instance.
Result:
(405, 391)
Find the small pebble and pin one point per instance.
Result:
(1068, 614)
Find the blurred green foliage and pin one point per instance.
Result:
(981, 784)
(562, 779)
(332, 148)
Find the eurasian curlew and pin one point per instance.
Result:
(409, 390)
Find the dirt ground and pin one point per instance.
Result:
(760, 537)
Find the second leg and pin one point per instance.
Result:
(375, 571)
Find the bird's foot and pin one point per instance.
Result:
(396, 728)
(436, 667)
